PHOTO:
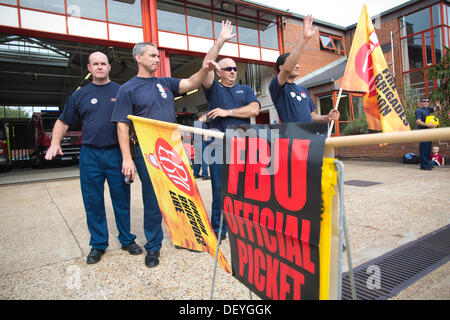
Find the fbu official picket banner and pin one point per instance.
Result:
(273, 206)
(179, 199)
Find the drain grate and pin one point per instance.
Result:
(385, 276)
(361, 183)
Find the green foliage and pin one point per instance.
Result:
(441, 72)
(357, 126)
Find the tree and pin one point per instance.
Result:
(441, 72)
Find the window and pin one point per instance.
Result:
(414, 84)
(248, 32)
(199, 22)
(13, 2)
(416, 22)
(269, 33)
(413, 47)
(53, 6)
(126, 13)
(171, 18)
(422, 44)
(333, 43)
(87, 9)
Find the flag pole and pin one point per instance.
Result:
(341, 141)
(330, 129)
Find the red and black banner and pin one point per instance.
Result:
(271, 198)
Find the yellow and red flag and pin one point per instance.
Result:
(179, 199)
(368, 72)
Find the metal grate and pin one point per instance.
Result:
(361, 183)
(399, 268)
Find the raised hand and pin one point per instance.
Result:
(308, 29)
(227, 31)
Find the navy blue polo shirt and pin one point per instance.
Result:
(151, 98)
(422, 114)
(92, 106)
(220, 96)
(292, 102)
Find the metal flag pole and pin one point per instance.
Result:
(343, 230)
(217, 255)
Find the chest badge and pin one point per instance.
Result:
(94, 101)
(161, 90)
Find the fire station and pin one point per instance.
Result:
(45, 46)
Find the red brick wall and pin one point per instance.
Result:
(390, 152)
(312, 57)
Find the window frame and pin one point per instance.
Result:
(332, 38)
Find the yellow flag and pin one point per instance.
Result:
(179, 199)
(368, 72)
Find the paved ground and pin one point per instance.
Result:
(44, 238)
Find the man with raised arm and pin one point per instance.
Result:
(292, 101)
(229, 104)
(151, 97)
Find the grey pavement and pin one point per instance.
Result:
(44, 240)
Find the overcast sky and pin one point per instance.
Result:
(340, 12)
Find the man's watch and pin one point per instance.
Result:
(230, 112)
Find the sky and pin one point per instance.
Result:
(339, 12)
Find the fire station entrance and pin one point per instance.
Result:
(39, 74)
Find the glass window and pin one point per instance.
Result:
(87, 9)
(357, 106)
(248, 32)
(414, 84)
(171, 18)
(338, 44)
(428, 49)
(325, 104)
(436, 14)
(268, 33)
(331, 43)
(126, 13)
(53, 6)
(326, 41)
(13, 2)
(418, 21)
(415, 56)
(199, 22)
(438, 46)
(447, 16)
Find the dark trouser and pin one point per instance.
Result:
(96, 166)
(152, 214)
(216, 180)
(425, 153)
(204, 165)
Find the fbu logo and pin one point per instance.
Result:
(167, 160)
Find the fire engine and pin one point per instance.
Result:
(40, 129)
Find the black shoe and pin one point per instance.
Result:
(223, 236)
(132, 248)
(206, 178)
(94, 256)
(196, 176)
(151, 259)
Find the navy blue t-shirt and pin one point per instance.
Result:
(92, 106)
(220, 96)
(151, 98)
(292, 102)
(422, 114)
